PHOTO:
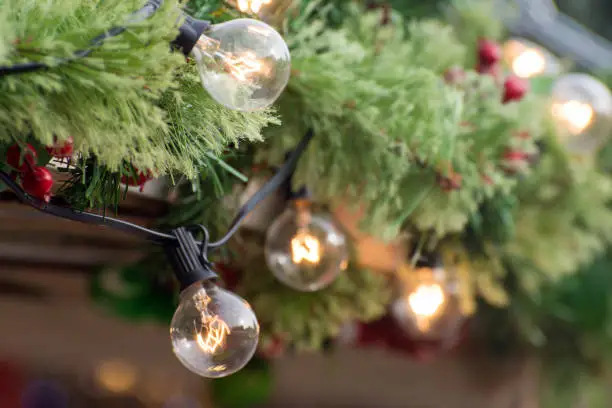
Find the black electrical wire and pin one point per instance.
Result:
(280, 178)
(149, 8)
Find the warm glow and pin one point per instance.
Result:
(426, 303)
(305, 247)
(116, 375)
(529, 63)
(574, 115)
(214, 331)
(253, 6)
(243, 67)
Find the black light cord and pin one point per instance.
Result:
(280, 178)
(149, 8)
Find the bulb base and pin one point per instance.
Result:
(188, 261)
(189, 33)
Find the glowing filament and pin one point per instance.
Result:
(529, 63)
(215, 330)
(253, 6)
(575, 115)
(426, 303)
(243, 67)
(305, 247)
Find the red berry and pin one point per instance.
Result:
(140, 179)
(21, 160)
(489, 52)
(62, 149)
(515, 88)
(38, 183)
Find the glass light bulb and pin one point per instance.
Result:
(244, 64)
(426, 301)
(214, 332)
(426, 307)
(305, 250)
(575, 116)
(582, 108)
(527, 59)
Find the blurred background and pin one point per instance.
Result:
(69, 338)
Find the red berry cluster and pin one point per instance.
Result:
(36, 180)
(515, 88)
(139, 180)
(489, 57)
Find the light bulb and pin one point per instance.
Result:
(426, 302)
(527, 59)
(252, 6)
(575, 116)
(214, 332)
(244, 64)
(305, 250)
(528, 64)
(427, 307)
(582, 108)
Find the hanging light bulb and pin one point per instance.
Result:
(244, 64)
(305, 250)
(527, 59)
(427, 306)
(582, 107)
(214, 332)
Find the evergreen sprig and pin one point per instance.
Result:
(131, 101)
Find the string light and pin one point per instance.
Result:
(426, 302)
(527, 59)
(214, 332)
(575, 116)
(426, 306)
(244, 64)
(304, 249)
(582, 108)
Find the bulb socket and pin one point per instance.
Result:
(188, 261)
(189, 33)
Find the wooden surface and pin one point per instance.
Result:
(33, 238)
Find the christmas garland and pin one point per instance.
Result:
(131, 110)
(475, 175)
(414, 123)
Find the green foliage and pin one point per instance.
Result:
(131, 102)
(376, 101)
(306, 320)
(140, 292)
